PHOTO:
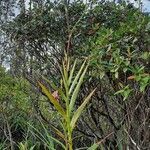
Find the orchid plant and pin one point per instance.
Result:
(68, 93)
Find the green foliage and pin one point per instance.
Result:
(69, 96)
(23, 146)
(46, 137)
(115, 38)
(115, 50)
(125, 92)
(14, 94)
(15, 104)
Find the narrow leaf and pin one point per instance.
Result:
(53, 100)
(59, 133)
(55, 88)
(93, 147)
(44, 139)
(72, 71)
(96, 145)
(76, 78)
(76, 90)
(80, 110)
(65, 73)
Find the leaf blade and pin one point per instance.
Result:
(76, 78)
(72, 71)
(80, 110)
(56, 104)
(76, 90)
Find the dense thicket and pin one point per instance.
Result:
(115, 37)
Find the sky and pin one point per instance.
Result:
(146, 4)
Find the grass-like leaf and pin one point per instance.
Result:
(48, 139)
(93, 147)
(80, 110)
(72, 72)
(76, 90)
(61, 93)
(56, 104)
(76, 78)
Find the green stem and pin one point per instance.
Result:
(69, 133)
(69, 130)
(69, 143)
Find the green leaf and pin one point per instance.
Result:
(31, 148)
(53, 100)
(55, 87)
(76, 78)
(126, 94)
(144, 82)
(76, 90)
(118, 92)
(80, 110)
(65, 78)
(72, 71)
(146, 79)
(47, 140)
(145, 55)
(125, 70)
(93, 147)
(116, 74)
(102, 73)
(65, 73)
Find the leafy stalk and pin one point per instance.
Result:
(69, 95)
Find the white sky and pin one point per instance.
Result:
(146, 4)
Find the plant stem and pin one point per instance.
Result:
(69, 130)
